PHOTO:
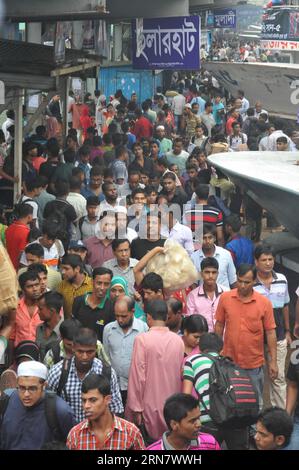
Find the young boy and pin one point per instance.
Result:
(282, 144)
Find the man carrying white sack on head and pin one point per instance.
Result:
(32, 416)
(171, 269)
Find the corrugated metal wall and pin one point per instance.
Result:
(130, 81)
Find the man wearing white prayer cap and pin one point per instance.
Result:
(33, 416)
(165, 144)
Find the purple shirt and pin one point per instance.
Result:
(199, 302)
(97, 252)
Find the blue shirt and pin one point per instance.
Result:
(217, 117)
(26, 428)
(119, 347)
(241, 249)
(227, 271)
(87, 192)
(201, 102)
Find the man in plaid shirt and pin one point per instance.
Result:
(102, 430)
(83, 364)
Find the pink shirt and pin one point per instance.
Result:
(204, 442)
(155, 374)
(25, 325)
(97, 252)
(199, 303)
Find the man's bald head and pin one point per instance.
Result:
(124, 312)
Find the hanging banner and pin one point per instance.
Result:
(166, 43)
(59, 47)
(225, 18)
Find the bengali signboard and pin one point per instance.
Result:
(281, 45)
(166, 43)
(281, 25)
(226, 18)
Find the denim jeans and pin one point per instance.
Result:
(294, 443)
(257, 376)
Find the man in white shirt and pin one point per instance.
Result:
(33, 189)
(70, 102)
(258, 110)
(227, 272)
(237, 138)
(264, 142)
(178, 156)
(173, 230)
(112, 201)
(9, 122)
(245, 103)
(272, 146)
(75, 198)
(178, 104)
(208, 118)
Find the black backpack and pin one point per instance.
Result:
(14, 214)
(106, 371)
(58, 219)
(50, 411)
(234, 401)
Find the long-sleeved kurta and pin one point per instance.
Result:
(155, 374)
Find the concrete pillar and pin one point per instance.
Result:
(64, 89)
(34, 32)
(18, 142)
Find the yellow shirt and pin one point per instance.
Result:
(70, 292)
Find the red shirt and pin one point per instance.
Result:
(16, 240)
(25, 326)
(123, 436)
(37, 162)
(229, 125)
(143, 129)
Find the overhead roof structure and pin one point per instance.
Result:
(33, 66)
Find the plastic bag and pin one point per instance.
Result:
(174, 266)
(8, 283)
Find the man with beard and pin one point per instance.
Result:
(119, 338)
(77, 369)
(112, 201)
(94, 310)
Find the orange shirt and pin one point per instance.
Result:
(245, 323)
(25, 325)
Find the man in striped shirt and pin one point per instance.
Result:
(102, 430)
(199, 212)
(274, 286)
(196, 375)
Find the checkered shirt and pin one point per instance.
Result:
(122, 436)
(74, 384)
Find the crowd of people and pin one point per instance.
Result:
(239, 51)
(99, 354)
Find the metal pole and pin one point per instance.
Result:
(18, 142)
(65, 94)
